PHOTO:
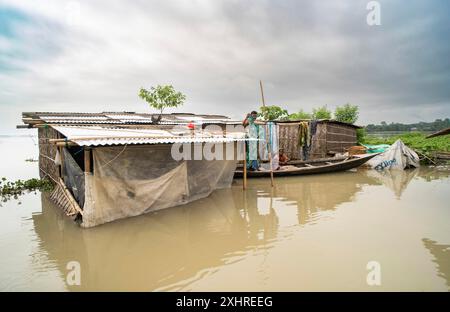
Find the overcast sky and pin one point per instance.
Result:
(95, 55)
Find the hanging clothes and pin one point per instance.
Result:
(304, 138)
(268, 135)
(303, 133)
(252, 146)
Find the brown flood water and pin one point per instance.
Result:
(307, 233)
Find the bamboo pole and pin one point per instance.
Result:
(262, 93)
(244, 183)
(425, 156)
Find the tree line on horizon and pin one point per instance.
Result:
(436, 125)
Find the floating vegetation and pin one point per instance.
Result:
(13, 189)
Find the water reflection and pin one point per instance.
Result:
(181, 244)
(319, 193)
(398, 180)
(173, 248)
(441, 254)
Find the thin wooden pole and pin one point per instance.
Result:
(262, 93)
(425, 156)
(244, 184)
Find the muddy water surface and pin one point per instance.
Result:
(307, 233)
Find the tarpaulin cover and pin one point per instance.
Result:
(397, 156)
(380, 148)
(133, 180)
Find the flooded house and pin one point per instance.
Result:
(113, 165)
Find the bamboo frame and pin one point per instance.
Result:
(61, 196)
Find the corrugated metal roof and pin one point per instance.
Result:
(134, 141)
(74, 117)
(99, 136)
(120, 118)
(81, 121)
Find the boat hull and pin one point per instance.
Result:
(340, 165)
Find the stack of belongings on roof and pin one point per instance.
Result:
(397, 156)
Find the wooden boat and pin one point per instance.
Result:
(324, 165)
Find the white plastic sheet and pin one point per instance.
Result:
(397, 156)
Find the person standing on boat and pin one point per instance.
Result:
(252, 146)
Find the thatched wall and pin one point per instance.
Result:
(47, 153)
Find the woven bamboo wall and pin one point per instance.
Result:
(340, 137)
(47, 153)
(319, 142)
(288, 140)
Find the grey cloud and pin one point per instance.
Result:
(308, 53)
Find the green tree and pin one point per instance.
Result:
(361, 135)
(300, 115)
(321, 113)
(347, 113)
(161, 97)
(273, 112)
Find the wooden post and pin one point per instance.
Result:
(244, 182)
(87, 160)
